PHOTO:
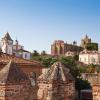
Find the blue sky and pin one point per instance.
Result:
(37, 23)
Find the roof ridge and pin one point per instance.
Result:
(12, 73)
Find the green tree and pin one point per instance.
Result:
(48, 61)
(76, 57)
(91, 68)
(82, 69)
(36, 56)
(92, 46)
(43, 53)
(69, 62)
(81, 85)
(35, 53)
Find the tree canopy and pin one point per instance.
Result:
(69, 62)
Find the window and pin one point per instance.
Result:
(25, 55)
(84, 59)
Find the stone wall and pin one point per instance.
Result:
(55, 91)
(14, 92)
(96, 92)
(56, 84)
(59, 48)
(31, 68)
(94, 79)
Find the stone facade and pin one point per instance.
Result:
(56, 84)
(7, 44)
(61, 48)
(14, 83)
(31, 68)
(89, 57)
(90, 77)
(96, 88)
(94, 80)
(96, 92)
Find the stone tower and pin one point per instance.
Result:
(7, 44)
(58, 48)
(85, 41)
(56, 84)
(14, 83)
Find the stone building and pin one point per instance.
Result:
(56, 84)
(61, 48)
(90, 57)
(88, 44)
(8, 46)
(14, 83)
(94, 80)
(31, 68)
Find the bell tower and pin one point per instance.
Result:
(7, 44)
(85, 41)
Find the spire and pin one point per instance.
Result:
(16, 42)
(86, 36)
(7, 37)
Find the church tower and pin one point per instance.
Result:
(85, 41)
(58, 48)
(7, 44)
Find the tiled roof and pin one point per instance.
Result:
(7, 37)
(89, 52)
(22, 50)
(5, 58)
(57, 72)
(11, 73)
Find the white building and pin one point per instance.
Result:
(16, 49)
(23, 54)
(89, 57)
(7, 44)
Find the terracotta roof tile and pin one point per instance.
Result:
(5, 58)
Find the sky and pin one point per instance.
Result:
(37, 23)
